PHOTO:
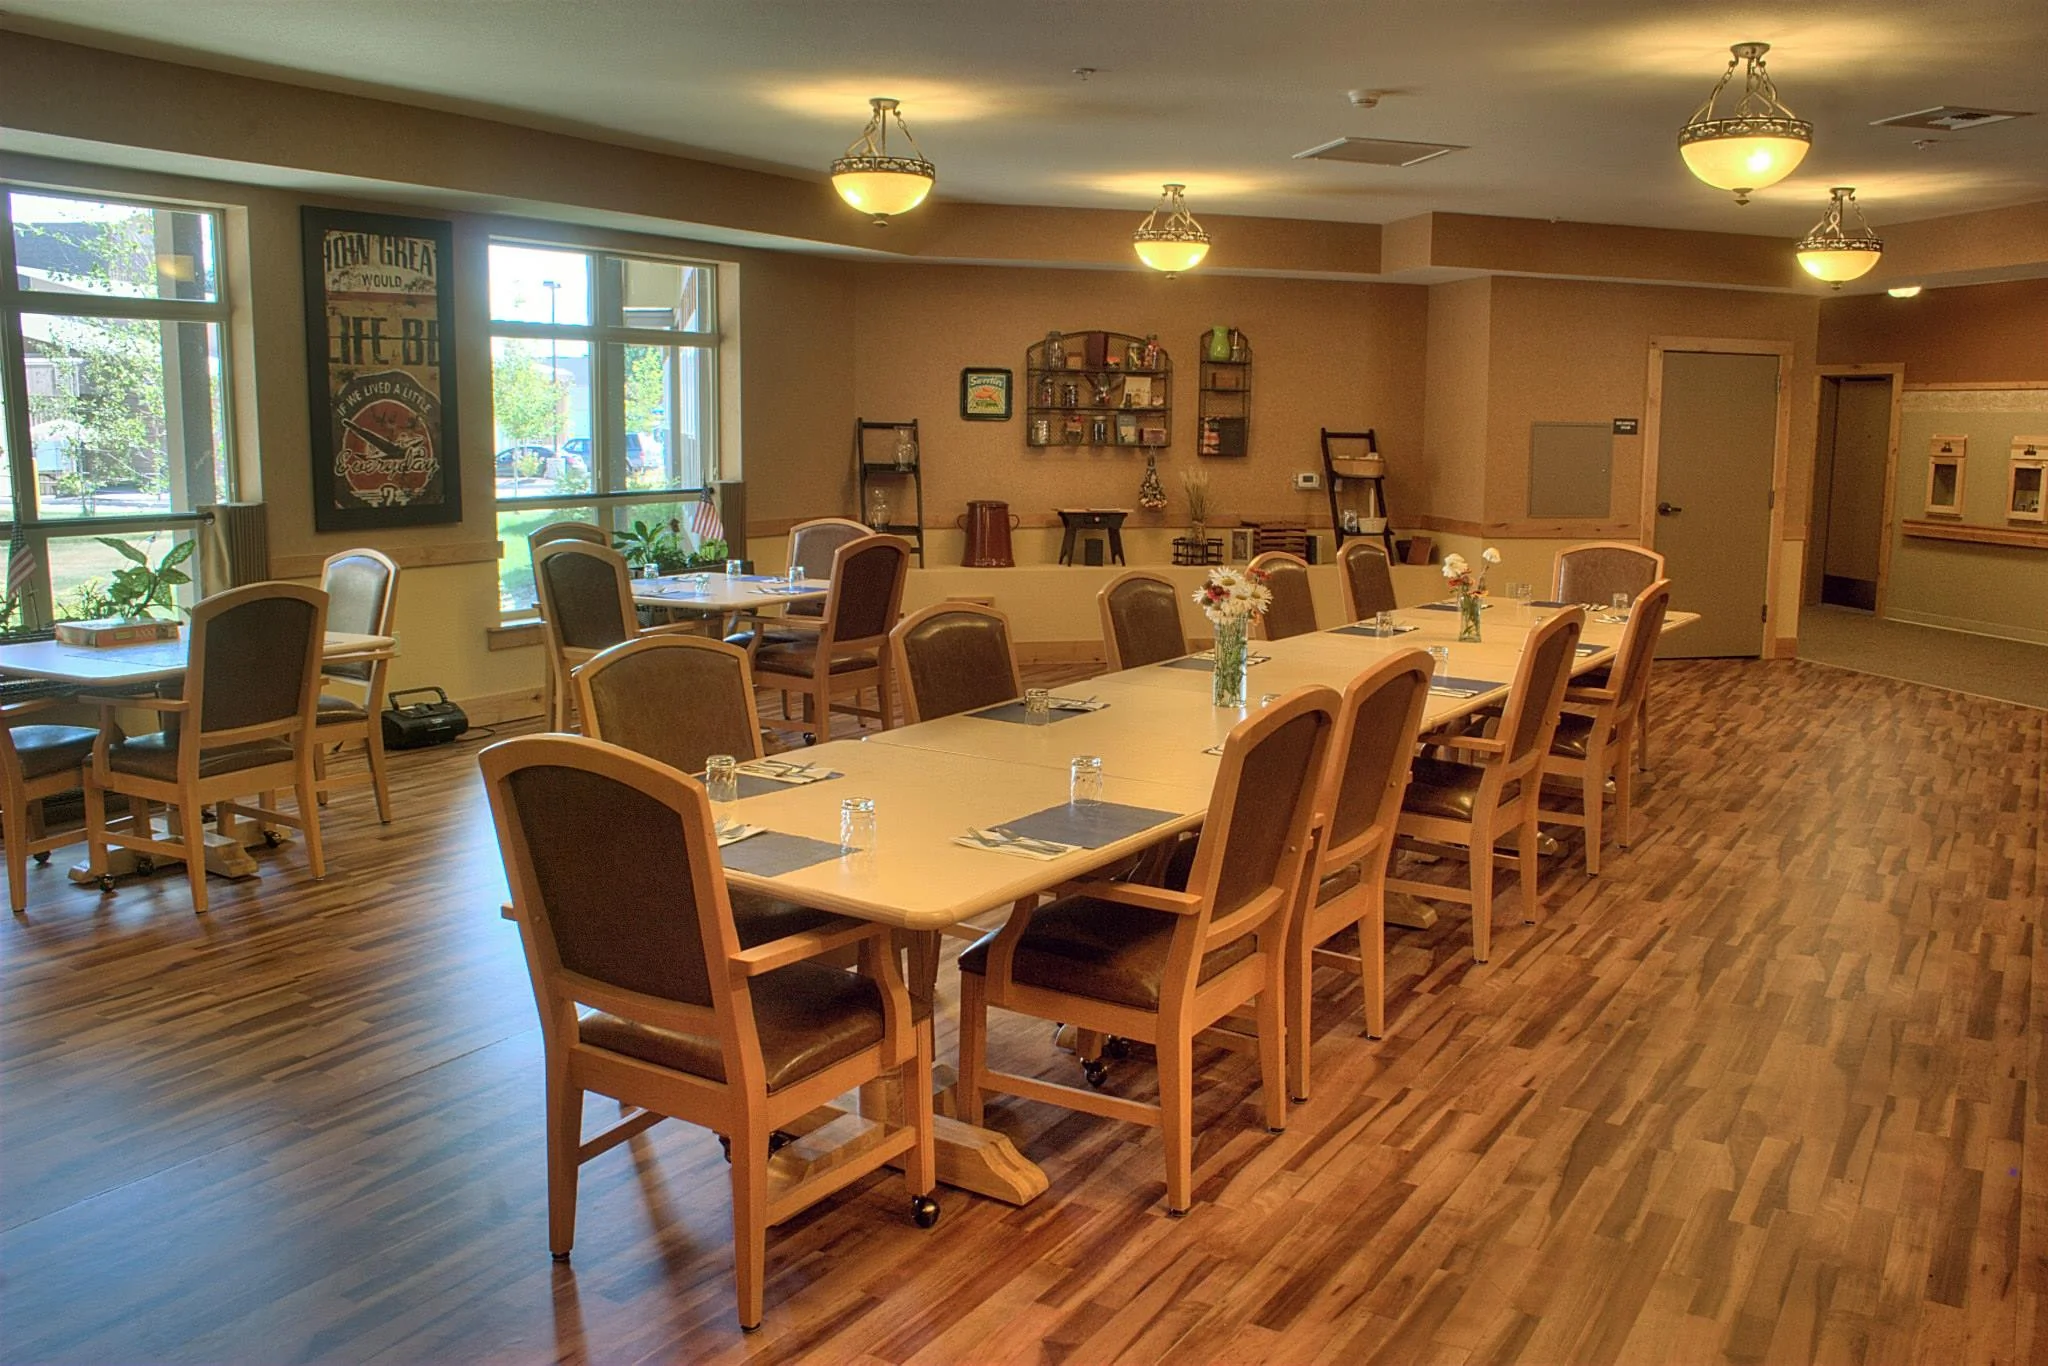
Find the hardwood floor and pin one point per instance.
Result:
(1772, 1088)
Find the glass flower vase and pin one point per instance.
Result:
(1468, 618)
(1227, 686)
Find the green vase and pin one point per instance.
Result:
(1468, 618)
(1219, 343)
(1227, 686)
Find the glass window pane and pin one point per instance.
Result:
(696, 415)
(536, 285)
(82, 570)
(87, 246)
(6, 464)
(515, 561)
(125, 415)
(650, 388)
(660, 294)
(540, 402)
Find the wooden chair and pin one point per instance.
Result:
(1140, 620)
(1591, 574)
(37, 760)
(812, 545)
(1293, 612)
(1451, 805)
(1597, 730)
(586, 605)
(622, 909)
(1358, 804)
(1159, 965)
(244, 723)
(362, 599)
(850, 649)
(588, 534)
(953, 657)
(1368, 582)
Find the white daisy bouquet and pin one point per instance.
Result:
(1233, 595)
(1460, 576)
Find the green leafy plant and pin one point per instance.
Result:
(139, 588)
(659, 544)
(713, 551)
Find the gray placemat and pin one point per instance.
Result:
(1590, 649)
(772, 853)
(1372, 632)
(753, 786)
(1475, 684)
(1209, 665)
(1089, 826)
(1450, 606)
(1014, 713)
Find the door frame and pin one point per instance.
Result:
(1775, 646)
(1897, 371)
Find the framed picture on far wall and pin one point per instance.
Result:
(985, 395)
(380, 361)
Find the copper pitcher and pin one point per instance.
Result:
(987, 523)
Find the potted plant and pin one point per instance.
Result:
(655, 548)
(139, 589)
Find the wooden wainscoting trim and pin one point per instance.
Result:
(1981, 535)
(494, 709)
(407, 557)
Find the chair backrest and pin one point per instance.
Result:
(1529, 719)
(953, 657)
(586, 595)
(1253, 849)
(676, 699)
(362, 599)
(1367, 771)
(1630, 677)
(1596, 571)
(1293, 612)
(812, 545)
(1140, 620)
(587, 532)
(1368, 582)
(617, 887)
(255, 662)
(867, 588)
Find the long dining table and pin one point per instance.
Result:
(1158, 737)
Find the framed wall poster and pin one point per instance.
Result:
(985, 395)
(380, 351)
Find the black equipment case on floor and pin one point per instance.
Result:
(422, 723)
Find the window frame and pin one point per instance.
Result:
(16, 301)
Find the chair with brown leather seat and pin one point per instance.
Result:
(1359, 801)
(812, 545)
(1597, 730)
(850, 649)
(586, 605)
(1368, 582)
(678, 700)
(1140, 620)
(38, 760)
(953, 657)
(588, 534)
(1159, 965)
(362, 599)
(1454, 807)
(647, 995)
(244, 723)
(1293, 612)
(1591, 574)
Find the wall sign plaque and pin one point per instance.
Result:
(380, 358)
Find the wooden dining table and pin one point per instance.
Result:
(1156, 738)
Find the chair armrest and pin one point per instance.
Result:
(795, 948)
(142, 700)
(1591, 697)
(1135, 894)
(359, 657)
(1477, 743)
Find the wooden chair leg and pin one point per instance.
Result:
(565, 1136)
(95, 826)
(320, 771)
(973, 1046)
(1593, 802)
(1301, 950)
(1273, 1037)
(920, 1164)
(885, 693)
(14, 829)
(193, 827)
(1529, 862)
(373, 753)
(1176, 1116)
(1642, 735)
(309, 811)
(750, 1219)
(1372, 956)
(1624, 787)
(1480, 855)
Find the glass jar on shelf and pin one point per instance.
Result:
(906, 450)
(878, 509)
(1055, 351)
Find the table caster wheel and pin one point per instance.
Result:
(924, 1210)
(106, 882)
(561, 1257)
(810, 737)
(1115, 1046)
(1097, 1074)
(271, 839)
(43, 859)
(145, 866)
(778, 1140)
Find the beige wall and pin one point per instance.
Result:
(1459, 355)
(1977, 333)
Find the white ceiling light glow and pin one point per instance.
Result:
(1754, 145)
(874, 180)
(1178, 243)
(1835, 252)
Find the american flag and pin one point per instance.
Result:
(704, 520)
(21, 564)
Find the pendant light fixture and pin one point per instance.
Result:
(1175, 245)
(873, 180)
(1833, 252)
(1756, 144)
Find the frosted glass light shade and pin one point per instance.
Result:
(1744, 162)
(1171, 256)
(882, 191)
(1836, 264)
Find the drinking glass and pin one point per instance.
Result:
(735, 568)
(856, 825)
(1037, 706)
(1440, 660)
(1267, 699)
(1622, 602)
(796, 575)
(722, 785)
(1084, 783)
(1383, 624)
(1522, 594)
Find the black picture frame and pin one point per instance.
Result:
(986, 394)
(380, 370)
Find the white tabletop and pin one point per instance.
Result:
(87, 665)
(723, 592)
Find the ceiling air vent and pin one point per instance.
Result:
(1377, 151)
(1951, 118)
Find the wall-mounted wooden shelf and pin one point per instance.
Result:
(1099, 394)
(2024, 537)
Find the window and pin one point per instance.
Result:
(604, 375)
(113, 384)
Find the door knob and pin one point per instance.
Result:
(1668, 509)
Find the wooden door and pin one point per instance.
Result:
(1849, 481)
(1716, 448)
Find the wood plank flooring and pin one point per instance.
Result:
(1773, 1088)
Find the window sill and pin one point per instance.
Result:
(513, 635)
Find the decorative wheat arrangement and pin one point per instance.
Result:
(1195, 484)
